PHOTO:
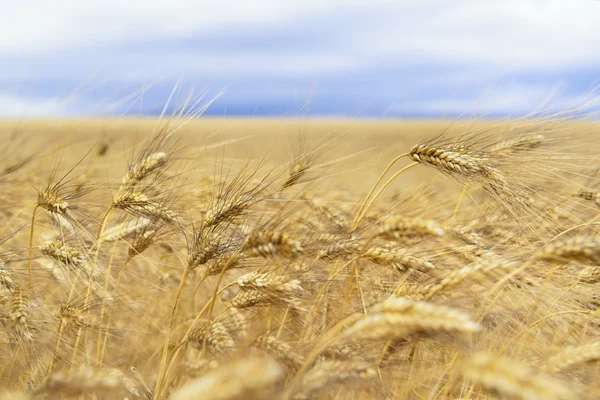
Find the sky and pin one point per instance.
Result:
(325, 58)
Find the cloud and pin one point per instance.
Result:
(537, 33)
(354, 53)
(42, 26)
(27, 107)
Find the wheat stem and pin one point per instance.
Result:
(31, 243)
(359, 217)
(55, 351)
(163, 359)
(103, 222)
(322, 345)
(385, 171)
(99, 350)
(320, 293)
(458, 203)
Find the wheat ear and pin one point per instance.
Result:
(512, 379)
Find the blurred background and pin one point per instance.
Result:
(327, 58)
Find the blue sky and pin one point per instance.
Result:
(324, 58)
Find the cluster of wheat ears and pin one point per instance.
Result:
(144, 271)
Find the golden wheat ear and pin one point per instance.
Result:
(108, 381)
(124, 230)
(584, 249)
(55, 198)
(297, 170)
(483, 272)
(255, 377)
(142, 169)
(574, 356)
(271, 243)
(214, 336)
(396, 258)
(514, 379)
(400, 227)
(333, 372)
(281, 351)
(271, 284)
(139, 204)
(206, 246)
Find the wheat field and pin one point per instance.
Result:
(188, 258)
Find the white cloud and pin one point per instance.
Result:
(41, 25)
(513, 33)
(436, 47)
(512, 99)
(232, 65)
(26, 107)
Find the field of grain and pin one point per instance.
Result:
(260, 259)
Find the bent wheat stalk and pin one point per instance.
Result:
(360, 215)
(385, 171)
(31, 244)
